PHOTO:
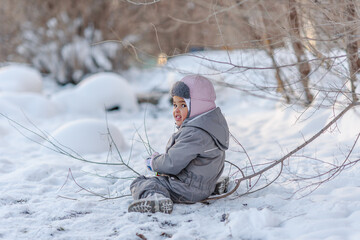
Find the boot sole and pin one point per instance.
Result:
(151, 206)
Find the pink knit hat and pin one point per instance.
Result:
(202, 94)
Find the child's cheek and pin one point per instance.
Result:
(184, 114)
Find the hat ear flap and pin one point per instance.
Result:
(188, 102)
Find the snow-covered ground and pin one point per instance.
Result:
(46, 195)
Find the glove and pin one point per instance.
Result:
(148, 163)
(150, 159)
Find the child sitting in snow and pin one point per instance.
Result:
(195, 154)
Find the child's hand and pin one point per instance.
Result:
(150, 159)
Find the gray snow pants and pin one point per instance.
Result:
(143, 186)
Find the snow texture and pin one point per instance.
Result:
(46, 195)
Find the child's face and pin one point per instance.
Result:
(180, 111)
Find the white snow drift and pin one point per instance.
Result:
(19, 78)
(98, 92)
(87, 136)
(26, 104)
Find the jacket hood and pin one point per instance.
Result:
(214, 123)
(199, 90)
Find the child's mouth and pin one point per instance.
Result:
(177, 118)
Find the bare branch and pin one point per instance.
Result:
(143, 2)
(260, 172)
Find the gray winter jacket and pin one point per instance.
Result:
(195, 156)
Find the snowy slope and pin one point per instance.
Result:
(46, 195)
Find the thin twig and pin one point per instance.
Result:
(117, 149)
(92, 192)
(247, 155)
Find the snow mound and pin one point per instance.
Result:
(98, 92)
(18, 78)
(16, 110)
(29, 104)
(8, 109)
(88, 136)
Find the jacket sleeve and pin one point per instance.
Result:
(188, 145)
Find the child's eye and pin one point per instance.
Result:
(175, 106)
(183, 105)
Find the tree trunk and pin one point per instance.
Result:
(270, 51)
(303, 65)
(352, 47)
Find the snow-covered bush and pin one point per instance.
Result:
(88, 136)
(97, 93)
(65, 51)
(20, 78)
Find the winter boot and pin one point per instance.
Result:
(153, 203)
(221, 185)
